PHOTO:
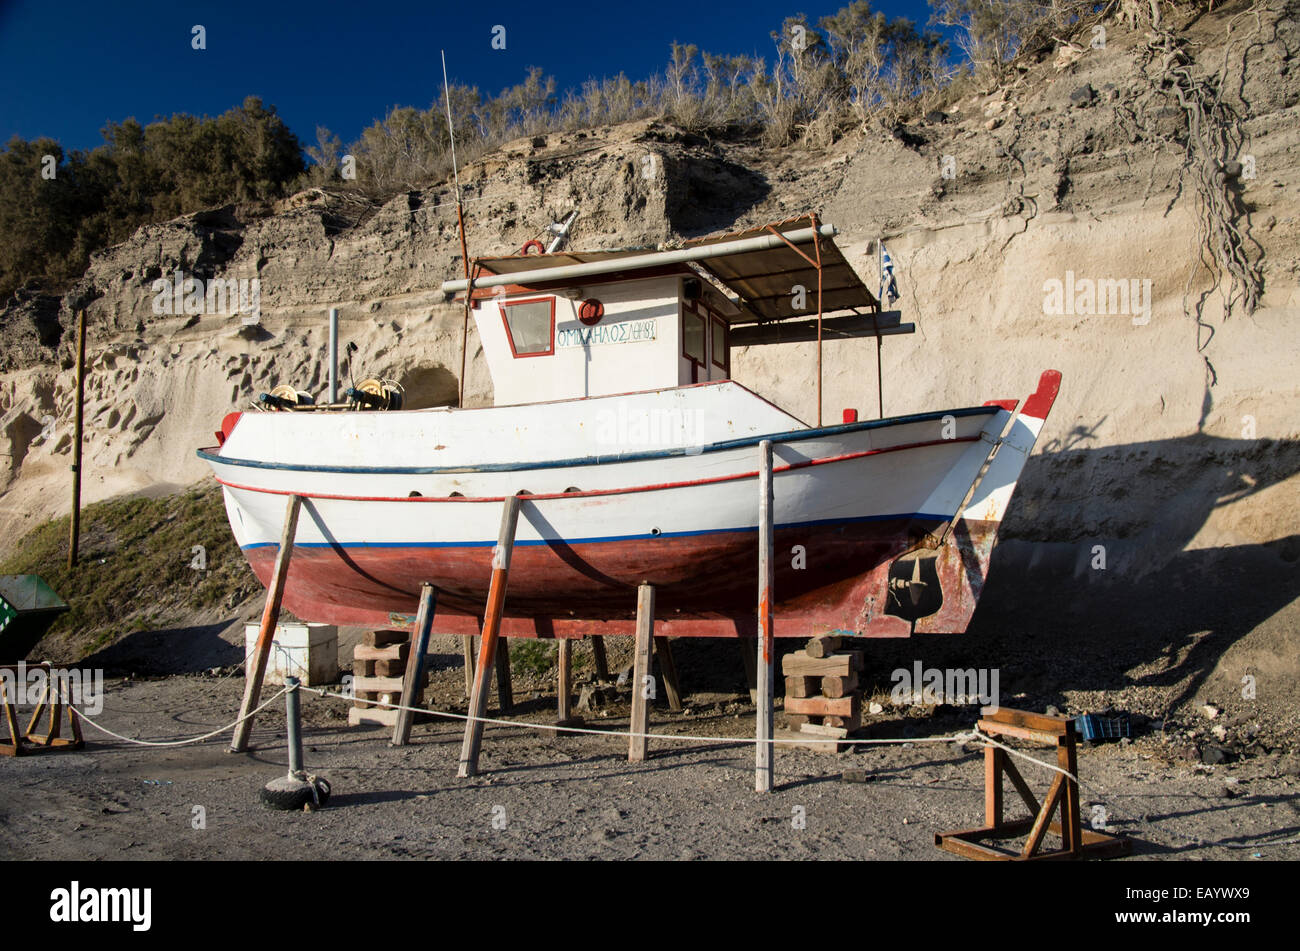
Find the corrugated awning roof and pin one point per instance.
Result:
(762, 280)
(531, 262)
(765, 280)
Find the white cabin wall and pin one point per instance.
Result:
(591, 369)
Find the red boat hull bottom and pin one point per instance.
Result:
(706, 585)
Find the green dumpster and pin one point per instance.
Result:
(28, 606)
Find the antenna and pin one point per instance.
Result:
(460, 219)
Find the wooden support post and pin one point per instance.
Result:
(467, 644)
(74, 528)
(645, 626)
(667, 667)
(599, 656)
(1067, 759)
(505, 689)
(564, 688)
(414, 675)
(993, 758)
(488, 641)
(254, 674)
(11, 718)
(764, 658)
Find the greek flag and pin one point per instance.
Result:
(888, 283)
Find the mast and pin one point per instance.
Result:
(460, 221)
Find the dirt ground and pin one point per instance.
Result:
(547, 796)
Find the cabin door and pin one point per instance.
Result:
(706, 344)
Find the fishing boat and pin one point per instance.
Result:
(636, 456)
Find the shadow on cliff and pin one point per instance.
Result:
(711, 194)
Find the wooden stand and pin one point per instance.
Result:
(488, 641)
(29, 741)
(1076, 841)
(765, 654)
(467, 644)
(601, 659)
(645, 625)
(564, 681)
(379, 666)
(668, 669)
(505, 687)
(823, 698)
(413, 680)
(270, 617)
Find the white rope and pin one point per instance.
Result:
(989, 741)
(556, 728)
(196, 739)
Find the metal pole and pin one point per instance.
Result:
(460, 222)
(74, 530)
(334, 355)
(565, 272)
(880, 305)
(766, 578)
(817, 244)
(291, 713)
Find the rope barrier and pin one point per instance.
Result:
(196, 739)
(556, 728)
(972, 735)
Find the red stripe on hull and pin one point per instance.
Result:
(706, 585)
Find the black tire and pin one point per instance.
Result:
(287, 799)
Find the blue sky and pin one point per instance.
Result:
(68, 67)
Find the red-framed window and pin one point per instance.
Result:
(720, 345)
(530, 326)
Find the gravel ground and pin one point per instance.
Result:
(576, 797)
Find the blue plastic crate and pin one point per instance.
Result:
(1091, 726)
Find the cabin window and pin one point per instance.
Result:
(719, 342)
(530, 325)
(693, 328)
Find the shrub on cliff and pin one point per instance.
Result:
(56, 208)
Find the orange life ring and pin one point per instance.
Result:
(541, 248)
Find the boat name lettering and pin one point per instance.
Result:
(627, 331)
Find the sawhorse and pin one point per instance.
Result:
(1076, 841)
